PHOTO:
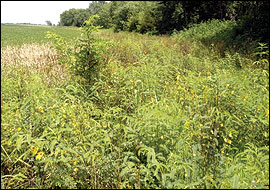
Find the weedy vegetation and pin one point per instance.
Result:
(129, 110)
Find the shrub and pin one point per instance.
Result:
(85, 54)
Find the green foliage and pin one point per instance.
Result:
(253, 20)
(74, 17)
(95, 7)
(262, 54)
(163, 112)
(163, 17)
(219, 36)
(85, 54)
(210, 31)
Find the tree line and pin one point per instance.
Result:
(163, 17)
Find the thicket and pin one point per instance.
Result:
(136, 111)
(77, 17)
(163, 17)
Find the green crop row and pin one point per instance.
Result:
(20, 34)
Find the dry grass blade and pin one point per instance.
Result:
(37, 58)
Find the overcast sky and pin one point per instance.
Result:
(37, 12)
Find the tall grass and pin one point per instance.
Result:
(162, 112)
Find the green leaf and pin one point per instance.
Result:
(53, 144)
(264, 158)
(71, 151)
(20, 177)
(57, 152)
(124, 171)
(216, 141)
(235, 181)
(28, 138)
(19, 142)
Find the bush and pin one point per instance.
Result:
(85, 54)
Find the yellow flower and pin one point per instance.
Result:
(64, 116)
(74, 162)
(267, 112)
(74, 124)
(39, 155)
(201, 125)
(230, 134)
(178, 77)
(19, 129)
(34, 149)
(232, 92)
(63, 123)
(76, 132)
(131, 87)
(221, 124)
(222, 152)
(47, 176)
(73, 117)
(228, 141)
(264, 88)
(227, 85)
(161, 137)
(40, 109)
(153, 135)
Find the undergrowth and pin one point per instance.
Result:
(154, 112)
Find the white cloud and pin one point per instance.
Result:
(37, 12)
